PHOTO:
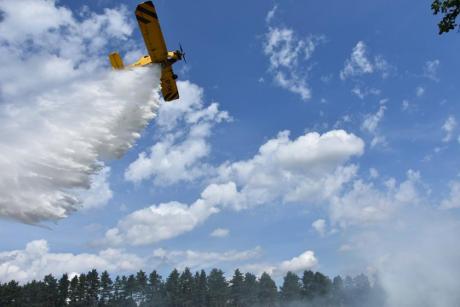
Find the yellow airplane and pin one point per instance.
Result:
(149, 25)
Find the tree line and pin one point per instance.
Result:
(185, 289)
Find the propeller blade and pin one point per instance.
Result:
(182, 52)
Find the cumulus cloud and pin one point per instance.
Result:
(36, 261)
(61, 112)
(308, 169)
(305, 261)
(220, 233)
(360, 63)
(449, 127)
(365, 204)
(287, 54)
(168, 220)
(184, 130)
(197, 260)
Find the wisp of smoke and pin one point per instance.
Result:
(416, 257)
(53, 143)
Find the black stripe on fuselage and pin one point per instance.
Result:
(142, 19)
(147, 12)
(149, 3)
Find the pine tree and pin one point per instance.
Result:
(338, 291)
(11, 294)
(141, 287)
(250, 290)
(92, 290)
(322, 285)
(63, 290)
(217, 285)
(82, 290)
(267, 291)
(291, 288)
(308, 290)
(200, 298)
(172, 289)
(74, 291)
(130, 288)
(237, 289)
(105, 289)
(155, 295)
(118, 291)
(51, 290)
(187, 287)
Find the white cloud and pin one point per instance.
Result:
(365, 204)
(371, 123)
(319, 226)
(287, 54)
(220, 233)
(156, 223)
(373, 173)
(419, 91)
(430, 70)
(308, 169)
(62, 112)
(185, 128)
(305, 261)
(360, 64)
(453, 201)
(36, 261)
(362, 93)
(449, 127)
(197, 260)
(271, 14)
(405, 105)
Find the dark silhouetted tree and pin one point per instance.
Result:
(449, 9)
(250, 290)
(291, 289)
(172, 289)
(237, 289)
(51, 290)
(155, 292)
(74, 291)
(106, 289)
(217, 288)
(201, 289)
(308, 288)
(92, 291)
(267, 291)
(63, 290)
(187, 287)
(141, 287)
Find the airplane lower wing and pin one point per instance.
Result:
(149, 25)
(168, 84)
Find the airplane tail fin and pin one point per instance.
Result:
(116, 61)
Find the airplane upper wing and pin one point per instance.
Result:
(150, 28)
(168, 84)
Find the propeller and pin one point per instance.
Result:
(182, 53)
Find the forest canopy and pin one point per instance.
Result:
(187, 289)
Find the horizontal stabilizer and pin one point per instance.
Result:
(116, 61)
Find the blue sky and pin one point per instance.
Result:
(368, 93)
